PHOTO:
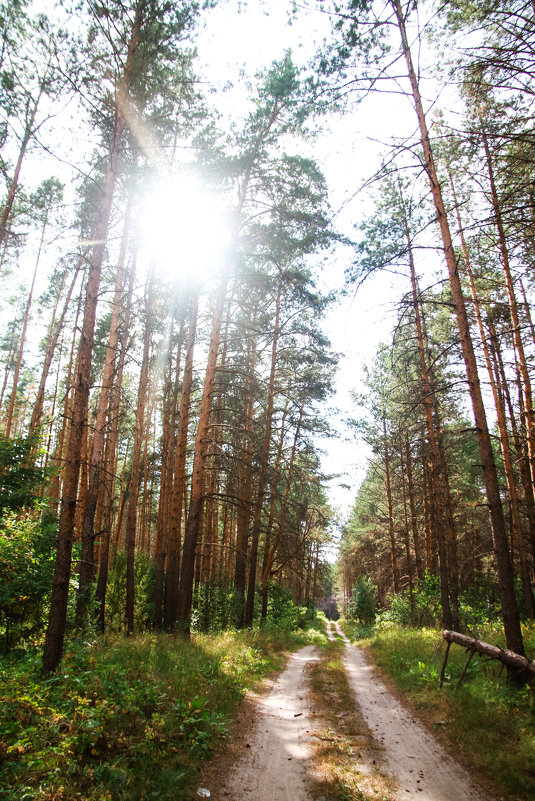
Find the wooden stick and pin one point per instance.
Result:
(465, 668)
(444, 664)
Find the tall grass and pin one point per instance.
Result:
(126, 719)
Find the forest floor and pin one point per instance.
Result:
(287, 738)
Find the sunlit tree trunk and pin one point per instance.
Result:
(178, 493)
(511, 617)
(110, 457)
(53, 648)
(87, 566)
(135, 469)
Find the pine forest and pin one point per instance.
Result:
(203, 205)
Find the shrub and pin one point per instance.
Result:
(363, 601)
(27, 547)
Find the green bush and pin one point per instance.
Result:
(422, 609)
(477, 605)
(27, 548)
(20, 476)
(363, 601)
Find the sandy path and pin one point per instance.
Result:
(272, 766)
(412, 758)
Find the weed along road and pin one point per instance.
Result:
(272, 754)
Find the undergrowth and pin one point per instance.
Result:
(126, 719)
(489, 725)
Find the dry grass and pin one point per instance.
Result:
(346, 757)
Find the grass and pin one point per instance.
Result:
(344, 749)
(489, 725)
(126, 718)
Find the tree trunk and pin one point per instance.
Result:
(161, 537)
(14, 184)
(511, 617)
(135, 469)
(87, 566)
(178, 493)
(110, 460)
(412, 508)
(18, 363)
(272, 551)
(255, 534)
(245, 483)
(55, 633)
(499, 403)
(52, 340)
(517, 662)
(390, 510)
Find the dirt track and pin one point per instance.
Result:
(270, 759)
(272, 766)
(412, 757)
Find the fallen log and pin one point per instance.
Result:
(506, 657)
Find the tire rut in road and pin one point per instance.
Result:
(273, 765)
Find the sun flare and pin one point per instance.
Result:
(184, 229)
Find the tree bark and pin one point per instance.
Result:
(178, 493)
(511, 617)
(55, 633)
(87, 567)
(110, 460)
(255, 534)
(135, 470)
(518, 662)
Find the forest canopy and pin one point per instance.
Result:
(168, 266)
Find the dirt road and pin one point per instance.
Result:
(412, 757)
(271, 758)
(272, 765)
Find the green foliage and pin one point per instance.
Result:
(20, 476)
(363, 601)
(217, 606)
(284, 613)
(478, 604)
(116, 593)
(27, 546)
(126, 718)
(421, 609)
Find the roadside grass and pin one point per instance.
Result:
(343, 746)
(488, 725)
(127, 719)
